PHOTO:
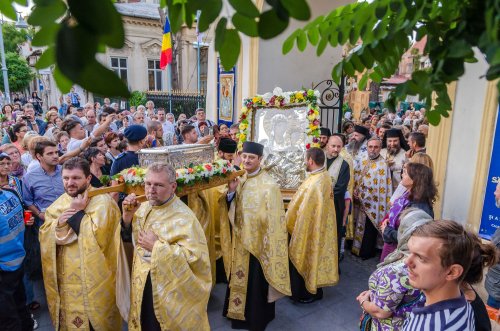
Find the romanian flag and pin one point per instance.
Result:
(166, 47)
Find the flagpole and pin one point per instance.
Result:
(198, 53)
(169, 77)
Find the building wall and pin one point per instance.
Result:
(465, 141)
(143, 39)
(297, 69)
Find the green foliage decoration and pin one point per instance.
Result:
(453, 29)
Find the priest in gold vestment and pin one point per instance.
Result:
(171, 278)
(79, 243)
(259, 272)
(311, 223)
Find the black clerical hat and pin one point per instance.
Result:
(227, 145)
(253, 148)
(362, 129)
(325, 132)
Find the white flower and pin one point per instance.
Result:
(278, 91)
(266, 97)
(317, 94)
(286, 97)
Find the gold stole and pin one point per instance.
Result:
(350, 187)
(334, 170)
(98, 245)
(179, 266)
(200, 204)
(259, 229)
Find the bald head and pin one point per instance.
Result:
(334, 146)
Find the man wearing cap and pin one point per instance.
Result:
(372, 193)
(257, 267)
(136, 136)
(311, 224)
(394, 147)
(325, 133)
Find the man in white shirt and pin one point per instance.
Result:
(166, 124)
(202, 117)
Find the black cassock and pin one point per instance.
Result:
(339, 197)
(258, 312)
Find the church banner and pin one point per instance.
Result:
(490, 219)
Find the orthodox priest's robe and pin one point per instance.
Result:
(311, 223)
(178, 266)
(79, 267)
(259, 271)
(373, 190)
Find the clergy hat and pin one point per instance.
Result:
(362, 129)
(227, 145)
(135, 133)
(325, 132)
(253, 148)
(395, 133)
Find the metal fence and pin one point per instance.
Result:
(178, 102)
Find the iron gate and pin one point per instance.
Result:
(331, 102)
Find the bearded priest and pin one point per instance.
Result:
(171, 278)
(312, 227)
(259, 273)
(79, 243)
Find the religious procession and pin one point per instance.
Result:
(367, 201)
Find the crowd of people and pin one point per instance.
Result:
(108, 258)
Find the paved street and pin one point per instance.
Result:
(337, 311)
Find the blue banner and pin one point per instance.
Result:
(490, 219)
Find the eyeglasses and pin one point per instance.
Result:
(25, 130)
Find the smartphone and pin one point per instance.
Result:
(206, 132)
(211, 130)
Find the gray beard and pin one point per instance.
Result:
(354, 146)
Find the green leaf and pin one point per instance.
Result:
(46, 35)
(102, 81)
(321, 46)
(395, 5)
(433, 117)
(209, 13)
(47, 59)
(245, 25)
(175, 16)
(270, 25)
(220, 31)
(313, 35)
(7, 9)
(301, 40)
(245, 8)
(75, 49)
(91, 14)
(40, 15)
(380, 11)
(63, 83)
(298, 9)
(288, 44)
(230, 49)
(337, 72)
(362, 82)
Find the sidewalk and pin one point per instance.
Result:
(337, 311)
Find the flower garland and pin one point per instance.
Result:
(280, 99)
(133, 176)
(202, 172)
(189, 176)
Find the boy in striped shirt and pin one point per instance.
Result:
(441, 254)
